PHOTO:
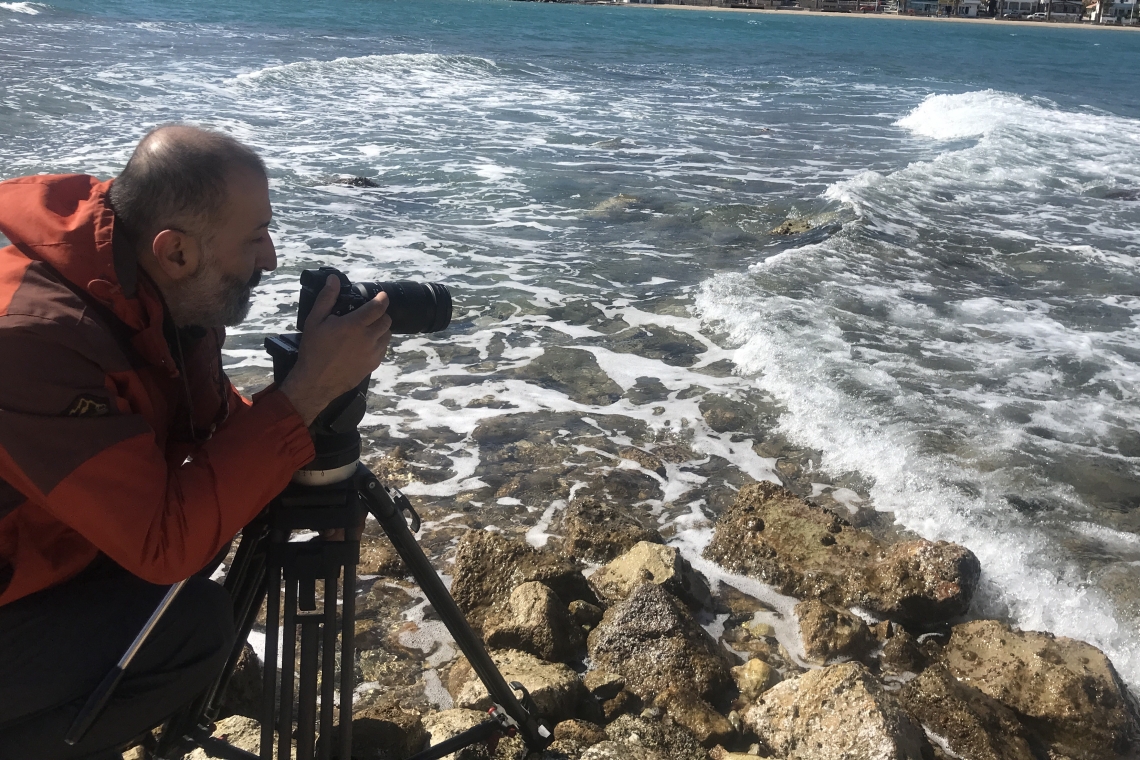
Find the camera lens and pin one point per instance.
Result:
(415, 307)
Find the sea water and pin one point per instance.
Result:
(951, 350)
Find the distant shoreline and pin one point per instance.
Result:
(895, 16)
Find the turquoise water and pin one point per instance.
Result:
(954, 344)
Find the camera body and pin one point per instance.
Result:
(414, 307)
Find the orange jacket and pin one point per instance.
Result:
(98, 452)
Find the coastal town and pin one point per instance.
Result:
(1097, 12)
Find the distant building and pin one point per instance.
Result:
(1111, 13)
(919, 7)
(962, 8)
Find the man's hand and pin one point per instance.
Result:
(336, 352)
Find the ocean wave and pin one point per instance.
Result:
(30, 9)
(977, 113)
(867, 417)
(392, 64)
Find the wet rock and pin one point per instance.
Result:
(792, 227)
(603, 684)
(654, 643)
(922, 581)
(807, 552)
(241, 732)
(828, 632)
(1064, 690)
(651, 563)
(753, 678)
(555, 688)
(706, 724)
(720, 753)
(488, 567)
(661, 343)
(901, 653)
(665, 739)
(595, 531)
(612, 206)
(799, 548)
(574, 736)
(387, 732)
(609, 750)
(390, 666)
(725, 415)
(584, 614)
(972, 724)
(243, 695)
(378, 557)
(534, 620)
(643, 458)
(448, 723)
(625, 702)
(356, 182)
(835, 713)
(573, 372)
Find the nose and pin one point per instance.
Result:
(267, 256)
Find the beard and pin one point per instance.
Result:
(212, 298)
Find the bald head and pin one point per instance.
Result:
(178, 178)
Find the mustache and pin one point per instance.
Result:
(254, 280)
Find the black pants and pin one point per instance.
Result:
(56, 646)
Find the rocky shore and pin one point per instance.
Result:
(864, 650)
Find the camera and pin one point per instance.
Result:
(415, 307)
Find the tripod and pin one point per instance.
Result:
(334, 492)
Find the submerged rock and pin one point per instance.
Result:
(807, 552)
(356, 182)
(573, 372)
(972, 724)
(653, 642)
(792, 227)
(753, 678)
(534, 620)
(829, 632)
(1065, 691)
(488, 567)
(652, 563)
(555, 688)
(835, 713)
(595, 531)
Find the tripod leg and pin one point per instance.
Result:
(307, 693)
(288, 666)
(328, 665)
(536, 735)
(102, 694)
(347, 659)
(269, 672)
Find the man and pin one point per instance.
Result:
(127, 459)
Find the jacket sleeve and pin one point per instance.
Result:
(70, 443)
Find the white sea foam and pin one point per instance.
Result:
(30, 9)
(895, 355)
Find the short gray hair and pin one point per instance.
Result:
(177, 178)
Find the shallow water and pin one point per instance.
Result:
(954, 343)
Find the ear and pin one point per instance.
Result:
(178, 255)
